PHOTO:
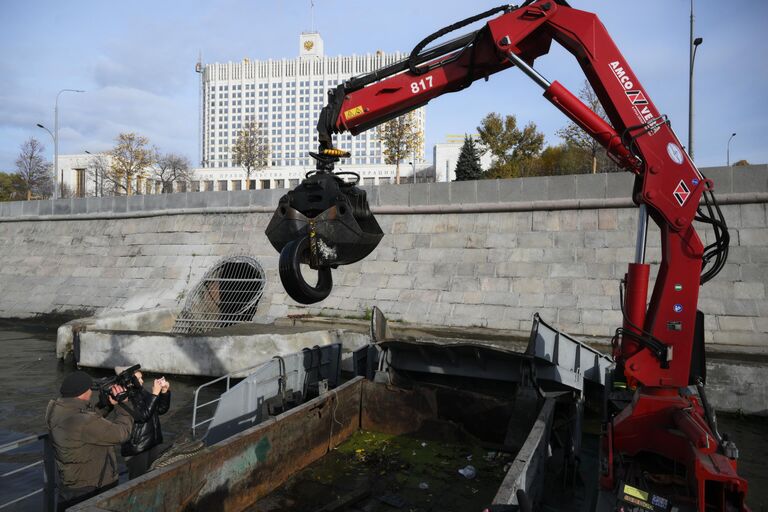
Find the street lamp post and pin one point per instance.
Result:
(53, 182)
(691, 57)
(728, 151)
(56, 186)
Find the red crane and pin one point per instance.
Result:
(659, 349)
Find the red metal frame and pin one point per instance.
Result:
(660, 419)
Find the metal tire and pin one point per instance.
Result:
(294, 283)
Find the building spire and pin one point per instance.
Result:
(312, 15)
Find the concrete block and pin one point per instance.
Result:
(619, 184)
(394, 195)
(484, 269)
(546, 221)
(45, 207)
(62, 207)
(419, 193)
(432, 282)
(722, 177)
(221, 199)
(464, 192)
(461, 284)
(487, 191)
(511, 190)
(735, 323)
(740, 307)
(516, 222)
(531, 300)
(501, 240)
(587, 220)
(120, 204)
(593, 302)
(440, 193)
(259, 197)
(567, 270)
(135, 203)
(750, 179)
(561, 187)
(753, 216)
(535, 239)
(568, 239)
(176, 201)
(559, 301)
(535, 188)
(590, 186)
(30, 207)
(607, 219)
(748, 290)
(371, 194)
(79, 205)
(154, 202)
(753, 237)
(449, 240)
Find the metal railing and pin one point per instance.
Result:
(47, 464)
(228, 377)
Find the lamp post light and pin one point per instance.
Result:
(55, 136)
(53, 176)
(728, 151)
(691, 58)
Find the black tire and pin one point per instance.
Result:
(290, 274)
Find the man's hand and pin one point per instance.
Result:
(157, 385)
(114, 391)
(166, 385)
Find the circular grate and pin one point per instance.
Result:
(228, 294)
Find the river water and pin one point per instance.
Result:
(30, 375)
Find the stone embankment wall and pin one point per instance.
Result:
(485, 253)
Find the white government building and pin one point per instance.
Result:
(284, 96)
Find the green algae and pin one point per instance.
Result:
(415, 473)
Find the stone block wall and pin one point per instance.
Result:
(461, 267)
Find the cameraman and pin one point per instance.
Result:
(83, 440)
(143, 446)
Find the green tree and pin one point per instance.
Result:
(574, 136)
(33, 170)
(560, 159)
(401, 138)
(132, 157)
(513, 149)
(10, 185)
(468, 165)
(251, 150)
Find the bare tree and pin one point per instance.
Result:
(98, 170)
(251, 150)
(132, 157)
(401, 138)
(33, 170)
(575, 136)
(170, 168)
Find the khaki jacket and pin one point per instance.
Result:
(83, 442)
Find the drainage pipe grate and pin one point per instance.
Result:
(228, 294)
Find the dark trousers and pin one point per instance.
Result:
(71, 497)
(139, 464)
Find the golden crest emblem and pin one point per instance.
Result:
(308, 45)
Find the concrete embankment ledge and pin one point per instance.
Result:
(482, 254)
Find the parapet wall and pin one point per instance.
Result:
(484, 253)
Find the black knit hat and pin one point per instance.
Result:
(75, 384)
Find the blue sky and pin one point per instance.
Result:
(136, 62)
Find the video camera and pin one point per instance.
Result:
(127, 379)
